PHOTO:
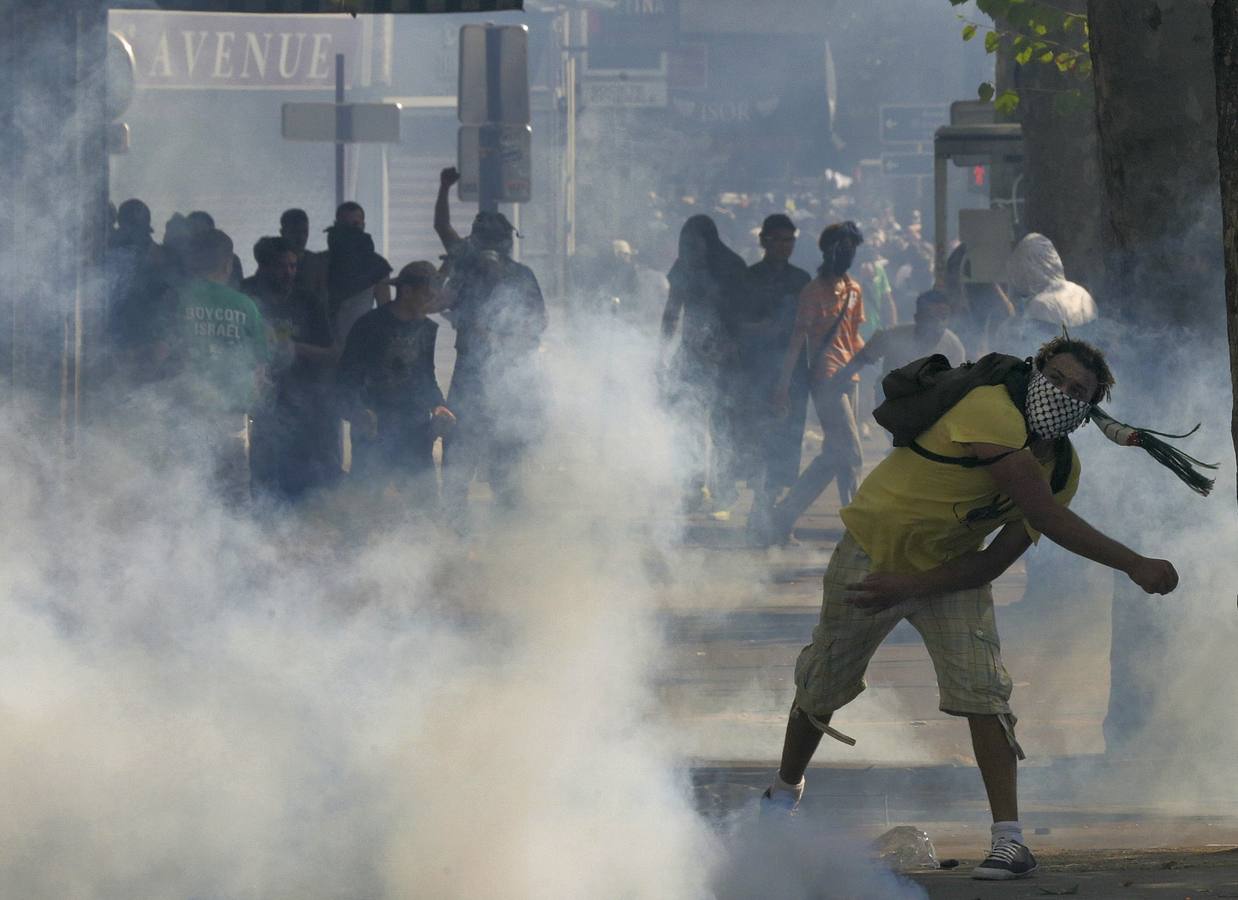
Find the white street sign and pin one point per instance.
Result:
(515, 161)
(346, 123)
(494, 74)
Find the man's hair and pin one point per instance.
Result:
(777, 222)
(290, 217)
(1089, 357)
(269, 248)
(417, 274)
(931, 296)
(348, 206)
(200, 221)
(208, 252)
(840, 232)
(133, 215)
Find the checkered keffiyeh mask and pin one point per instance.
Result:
(1050, 412)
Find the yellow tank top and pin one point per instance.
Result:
(911, 514)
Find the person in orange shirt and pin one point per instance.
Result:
(828, 319)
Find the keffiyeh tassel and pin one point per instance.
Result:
(1181, 464)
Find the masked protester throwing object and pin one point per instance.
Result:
(997, 460)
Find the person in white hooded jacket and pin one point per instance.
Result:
(1045, 301)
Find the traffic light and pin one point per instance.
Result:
(978, 182)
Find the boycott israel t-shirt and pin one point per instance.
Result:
(221, 340)
(912, 514)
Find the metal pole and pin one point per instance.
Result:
(569, 199)
(491, 187)
(940, 183)
(339, 117)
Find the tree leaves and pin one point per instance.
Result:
(1039, 33)
(1007, 102)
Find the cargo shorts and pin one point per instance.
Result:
(959, 631)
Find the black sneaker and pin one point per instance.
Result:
(1008, 859)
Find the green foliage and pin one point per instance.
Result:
(1007, 102)
(1040, 34)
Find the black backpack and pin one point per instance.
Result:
(924, 390)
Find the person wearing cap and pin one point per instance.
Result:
(496, 307)
(388, 390)
(766, 318)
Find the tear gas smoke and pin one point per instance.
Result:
(202, 704)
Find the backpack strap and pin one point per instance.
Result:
(1063, 461)
(967, 462)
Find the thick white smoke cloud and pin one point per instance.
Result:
(203, 703)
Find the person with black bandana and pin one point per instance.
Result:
(355, 272)
(496, 307)
(998, 460)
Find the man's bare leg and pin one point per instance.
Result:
(1009, 856)
(998, 766)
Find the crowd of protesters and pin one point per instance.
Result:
(757, 343)
(267, 369)
(322, 363)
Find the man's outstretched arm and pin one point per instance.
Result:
(1018, 476)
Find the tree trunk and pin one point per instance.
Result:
(1061, 162)
(1225, 56)
(1161, 224)
(1156, 117)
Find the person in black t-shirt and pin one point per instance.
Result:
(770, 446)
(295, 442)
(388, 389)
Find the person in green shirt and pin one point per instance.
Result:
(216, 344)
(217, 336)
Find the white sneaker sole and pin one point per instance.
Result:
(982, 874)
